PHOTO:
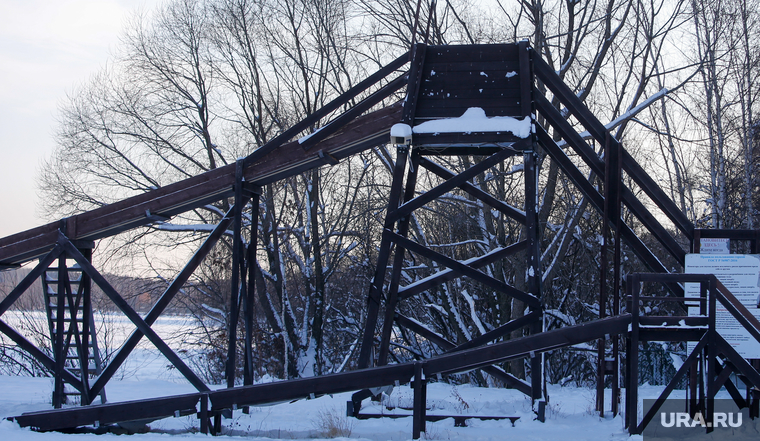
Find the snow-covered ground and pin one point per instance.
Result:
(570, 414)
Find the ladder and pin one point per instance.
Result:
(69, 300)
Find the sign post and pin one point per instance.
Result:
(714, 246)
(740, 273)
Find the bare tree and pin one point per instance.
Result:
(206, 81)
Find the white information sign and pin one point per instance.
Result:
(714, 246)
(740, 273)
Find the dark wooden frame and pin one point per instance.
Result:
(355, 130)
(702, 362)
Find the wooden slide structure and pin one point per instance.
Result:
(442, 83)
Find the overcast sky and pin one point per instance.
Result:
(47, 47)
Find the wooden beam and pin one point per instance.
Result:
(523, 346)
(334, 383)
(287, 160)
(508, 379)
(355, 111)
(577, 143)
(463, 269)
(305, 387)
(544, 73)
(30, 278)
(104, 414)
(163, 302)
(133, 316)
(455, 181)
(447, 274)
(35, 352)
(325, 110)
(642, 251)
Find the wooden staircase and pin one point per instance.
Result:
(69, 309)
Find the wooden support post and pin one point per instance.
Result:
(705, 310)
(398, 263)
(217, 429)
(533, 270)
(600, 355)
(709, 407)
(696, 242)
(603, 270)
(692, 387)
(86, 334)
(203, 414)
(701, 392)
(420, 400)
(376, 286)
(526, 78)
(235, 283)
(58, 348)
(616, 185)
(375, 295)
(613, 164)
(252, 266)
(711, 353)
(627, 383)
(632, 358)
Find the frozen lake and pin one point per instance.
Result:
(145, 361)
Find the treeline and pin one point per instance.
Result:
(137, 291)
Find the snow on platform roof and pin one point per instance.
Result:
(474, 119)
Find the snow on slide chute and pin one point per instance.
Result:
(474, 119)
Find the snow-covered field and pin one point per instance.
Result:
(569, 414)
